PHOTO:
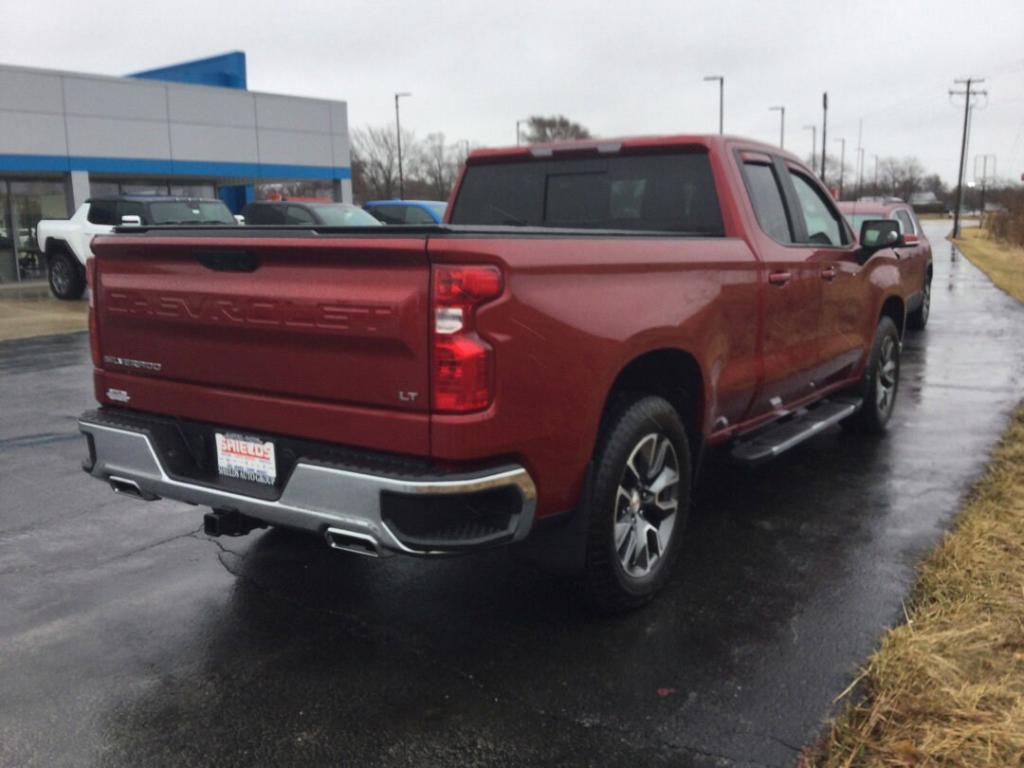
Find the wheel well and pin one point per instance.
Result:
(671, 374)
(53, 247)
(893, 308)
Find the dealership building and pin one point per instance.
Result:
(188, 129)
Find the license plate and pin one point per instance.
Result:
(246, 457)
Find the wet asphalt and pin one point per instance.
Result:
(129, 638)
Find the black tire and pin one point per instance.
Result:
(633, 530)
(66, 276)
(918, 319)
(880, 385)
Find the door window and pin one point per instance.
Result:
(823, 223)
(416, 215)
(389, 214)
(297, 215)
(766, 198)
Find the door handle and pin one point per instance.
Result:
(779, 278)
(829, 273)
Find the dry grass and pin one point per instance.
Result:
(31, 311)
(947, 687)
(1003, 263)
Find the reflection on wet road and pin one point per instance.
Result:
(129, 638)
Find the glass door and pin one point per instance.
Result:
(8, 263)
(31, 201)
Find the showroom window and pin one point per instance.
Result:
(23, 202)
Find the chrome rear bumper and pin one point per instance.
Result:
(343, 505)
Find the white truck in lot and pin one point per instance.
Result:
(65, 243)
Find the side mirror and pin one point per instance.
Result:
(240, 218)
(876, 234)
(131, 220)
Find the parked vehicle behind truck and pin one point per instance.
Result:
(546, 367)
(65, 242)
(915, 259)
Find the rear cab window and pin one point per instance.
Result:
(103, 212)
(664, 192)
(906, 221)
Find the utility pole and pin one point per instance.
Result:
(782, 125)
(824, 133)
(814, 141)
(860, 155)
(860, 171)
(519, 135)
(842, 164)
(876, 172)
(721, 100)
(984, 176)
(398, 134)
(967, 93)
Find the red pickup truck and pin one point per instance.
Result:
(550, 362)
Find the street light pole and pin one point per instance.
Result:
(876, 172)
(814, 140)
(782, 125)
(398, 135)
(721, 100)
(842, 165)
(824, 131)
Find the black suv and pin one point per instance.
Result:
(317, 214)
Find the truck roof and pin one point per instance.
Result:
(618, 144)
(151, 199)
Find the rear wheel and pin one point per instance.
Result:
(67, 278)
(918, 319)
(881, 381)
(638, 504)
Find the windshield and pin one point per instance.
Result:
(189, 212)
(343, 215)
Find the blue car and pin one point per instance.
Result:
(407, 211)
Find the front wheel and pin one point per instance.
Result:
(881, 381)
(67, 278)
(638, 504)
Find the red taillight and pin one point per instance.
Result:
(94, 337)
(462, 361)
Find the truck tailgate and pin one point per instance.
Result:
(322, 337)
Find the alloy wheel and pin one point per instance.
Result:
(888, 373)
(646, 505)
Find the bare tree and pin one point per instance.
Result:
(438, 165)
(558, 127)
(901, 177)
(375, 160)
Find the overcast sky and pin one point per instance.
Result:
(626, 67)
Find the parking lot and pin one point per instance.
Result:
(127, 637)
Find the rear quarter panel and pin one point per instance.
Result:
(575, 312)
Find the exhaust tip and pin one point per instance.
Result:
(128, 487)
(347, 541)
